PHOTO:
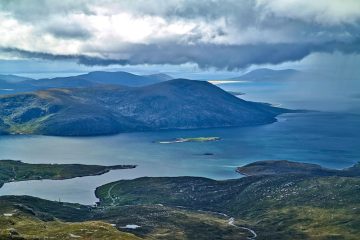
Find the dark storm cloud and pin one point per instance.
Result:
(69, 31)
(225, 34)
(231, 56)
(205, 55)
(81, 59)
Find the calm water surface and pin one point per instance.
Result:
(329, 139)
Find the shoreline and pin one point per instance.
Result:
(241, 175)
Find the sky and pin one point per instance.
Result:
(185, 38)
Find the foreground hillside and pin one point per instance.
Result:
(174, 104)
(299, 205)
(32, 218)
(28, 218)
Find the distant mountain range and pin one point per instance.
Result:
(15, 84)
(13, 78)
(265, 74)
(110, 109)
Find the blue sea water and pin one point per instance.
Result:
(327, 138)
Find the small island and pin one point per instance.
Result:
(12, 170)
(195, 139)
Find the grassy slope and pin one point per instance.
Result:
(277, 207)
(283, 206)
(29, 228)
(157, 222)
(169, 223)
(21, 221)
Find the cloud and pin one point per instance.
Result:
(228, 57)
(321, 11)
(81, 59)
(67, 29)
(222, 34)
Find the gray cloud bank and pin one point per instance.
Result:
(206, 55)
(220, 34)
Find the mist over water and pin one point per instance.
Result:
(315, 90)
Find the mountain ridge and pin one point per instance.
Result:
(100, 110)
(13, 78)
(90, 79)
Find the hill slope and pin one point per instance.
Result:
(296, 205)
(280, 206)
(175, 104)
